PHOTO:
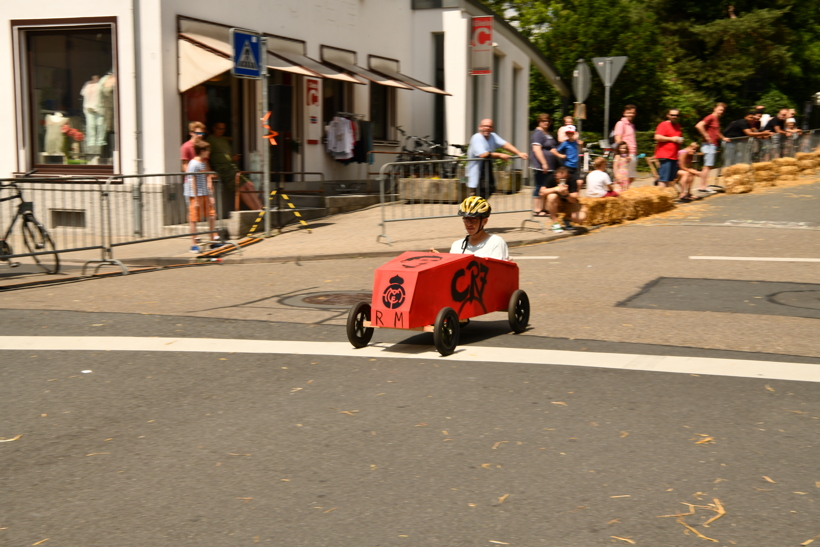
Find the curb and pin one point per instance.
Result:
(168, 261)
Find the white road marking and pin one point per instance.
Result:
(755, 259)
(517, 258)
(657, 363)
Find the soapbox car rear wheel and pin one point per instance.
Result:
(445, 331)
(519, 311)
(359, 335)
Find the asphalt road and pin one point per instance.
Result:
(220, 448)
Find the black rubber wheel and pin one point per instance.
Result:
(359, 335)
(445, 331)
(37, 240)
(519, 311)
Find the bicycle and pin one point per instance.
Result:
(35, 235)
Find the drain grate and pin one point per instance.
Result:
(337, 300)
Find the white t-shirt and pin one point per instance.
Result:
(492, 247)
(596, 183)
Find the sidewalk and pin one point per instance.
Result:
(345, 235)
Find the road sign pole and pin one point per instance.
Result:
(606, 114)
(263, 59)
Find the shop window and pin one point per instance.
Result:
(382, 109)
(70, 95)
(335, 98)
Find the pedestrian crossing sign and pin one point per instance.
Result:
(247, 54)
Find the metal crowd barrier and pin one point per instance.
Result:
(102, 213)
(753, 150)
(418, 190)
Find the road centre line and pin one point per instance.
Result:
(755, 259)
(623, 361)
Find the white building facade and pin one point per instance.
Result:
(109, 88)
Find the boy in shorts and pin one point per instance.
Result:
(199, 189)
(568, 151)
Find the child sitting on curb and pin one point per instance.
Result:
(599, 185)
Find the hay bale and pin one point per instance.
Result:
(765, 176)
(787, 169)
(784, 161)
(807, 172)
(739, 180)
(762, 166)
(603, 211)
(805, 164)
(736, 169)
(806, 156)
(647, 200)
(740, 189)
(764, 183)
(786, 178)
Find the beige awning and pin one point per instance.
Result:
(293, 51)
(216, 39)
(197, 65)
(390, 68)
(346, 60)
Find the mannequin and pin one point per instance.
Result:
(105, 106)
(94, 122)
(54, 133)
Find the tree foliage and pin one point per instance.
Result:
(686, 54)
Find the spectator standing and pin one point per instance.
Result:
(709, 128)
(223, 162)
(568, 151)
(760, 112)
(620, 166)
(562, 131)
(199, 190)
(599, 185)
(738, 132)
(483, 145)
(669, 137)
(542, 159)
(625, 132)
(197, 133)
(777, 125)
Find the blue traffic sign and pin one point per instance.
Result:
(247, 54)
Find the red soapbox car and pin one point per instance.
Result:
(435, 292)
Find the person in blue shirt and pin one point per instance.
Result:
(569, 151)
(483, 144)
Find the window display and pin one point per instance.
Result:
(72, 96)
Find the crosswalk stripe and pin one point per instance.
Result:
(742, 368)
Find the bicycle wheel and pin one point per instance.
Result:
(37, 240)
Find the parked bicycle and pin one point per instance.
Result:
(35, 235)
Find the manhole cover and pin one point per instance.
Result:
(336, 300)
(798, 299)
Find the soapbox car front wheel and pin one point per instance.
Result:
(359, 335)
(445, 331)
(519, 311)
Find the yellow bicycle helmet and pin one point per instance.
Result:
(474, 207)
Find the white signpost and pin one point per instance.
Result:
(250, 60)
(608, 69)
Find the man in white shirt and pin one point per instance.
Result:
(475, 212)
(483, 144)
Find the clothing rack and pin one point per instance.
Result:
(350, 115)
